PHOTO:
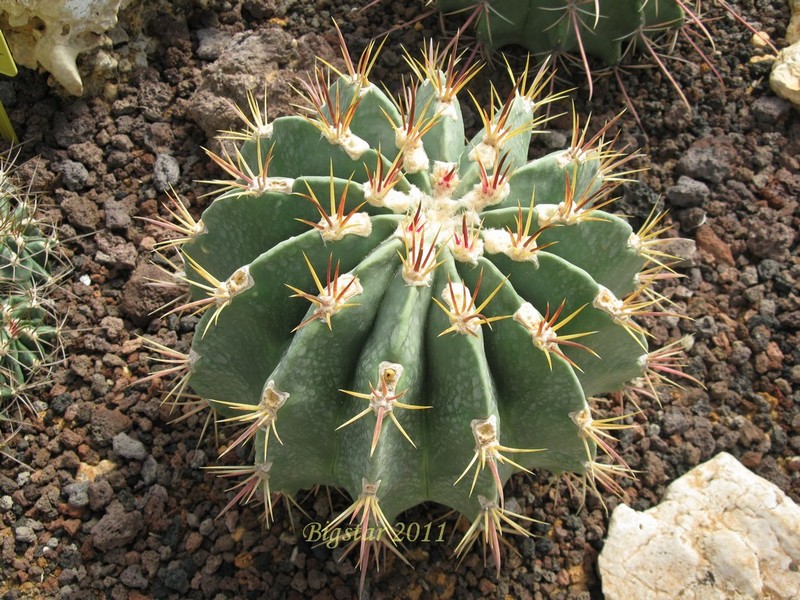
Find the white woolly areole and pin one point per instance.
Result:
(544, 337)
(572, 155)
(199, 228)
(558, 213)
(422, 278)
(262, 184)
(606, 301)
(347, 286)
(261, 469)
(457, 296)
(477, 199)
(353, 145)
(399, 202)
(644, 363)
(369, 489)
(635, 243)
(389, 373)
(239, 281)
(528, 104)
(467, 255)
(458, 299)
(361, 83)
(272, 398)
(447, 109)
(394, 200)
(444, 183)
(484, 431)
(497, 241)
(194, 356)
(442, 212)
(483, 153)
(582, 418)
(414, 157)
(263, 131)
(501, 241)
(373, 196)
(358, 224)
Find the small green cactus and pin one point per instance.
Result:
(391, 310)
(30, 337)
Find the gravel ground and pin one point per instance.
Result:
(115, 504)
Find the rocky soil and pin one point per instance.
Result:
(113, 502)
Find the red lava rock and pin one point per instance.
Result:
(486, 587)
(100, 494)
(19, 498)
(140, 298)
(770, 240)
(774, 356)
(72, 526)
(87, 453)
(562, 578)
(155, 516)
(240, 67)
(70, 438)
(117, 528)
(82, 211)
(106, 423)
(709, 159)
(193, 542)
(70, 511)
(750, 433)
(712, 246)
(751, 459)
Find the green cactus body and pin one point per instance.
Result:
(395, 312)
(28, 338)
(598, 28)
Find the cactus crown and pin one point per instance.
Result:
(391, 310)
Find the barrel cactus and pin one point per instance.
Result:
(579, 30)
(29, 338)
(392, 310)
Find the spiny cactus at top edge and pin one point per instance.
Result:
(606, 30)
(391, 310)
(30, 337)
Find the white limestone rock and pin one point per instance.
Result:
(52, 33)
(721, 532)
(785, 76)
(793, 30)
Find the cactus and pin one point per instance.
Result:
(609, 31)
(29, 338)
(391, 310)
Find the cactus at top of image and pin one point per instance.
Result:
(599, 28)
(580, 32)
(30, 340)
(392, 310)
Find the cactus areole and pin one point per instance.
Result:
(395, 311)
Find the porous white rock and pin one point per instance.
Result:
(793, 30)
(52, 33)
(785, 76)
(721, 532)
